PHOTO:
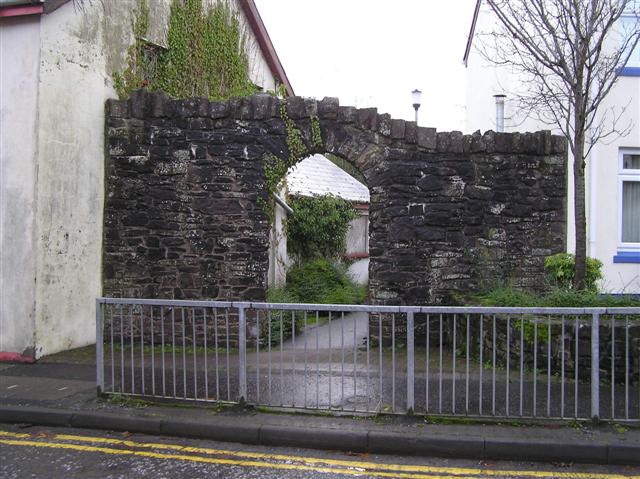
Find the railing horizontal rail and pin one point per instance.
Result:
(372, 308)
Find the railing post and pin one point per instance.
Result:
(242, 347)
(410, 363)
(99, 348)
(595, 367)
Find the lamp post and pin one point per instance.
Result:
(415, 96)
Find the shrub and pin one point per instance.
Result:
(317, 281)
(561, 269)
(324, 282)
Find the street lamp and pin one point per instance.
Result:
(415, 96)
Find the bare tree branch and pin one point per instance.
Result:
(568, 54)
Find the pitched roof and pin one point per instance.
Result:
(472, 32)
(318, 176)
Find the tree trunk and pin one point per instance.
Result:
(579, 211)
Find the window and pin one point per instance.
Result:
(628, 23)
(629, 204)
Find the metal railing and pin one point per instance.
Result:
(550, 363)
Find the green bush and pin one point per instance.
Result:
(561, 269)
(318, 226)
(317, 281)
(324, 282)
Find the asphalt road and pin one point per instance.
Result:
(74, 453)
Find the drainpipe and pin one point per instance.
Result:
(283, 203)
(499, 112)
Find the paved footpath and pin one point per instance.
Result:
(60, 392)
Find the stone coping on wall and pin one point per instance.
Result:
(144, 105)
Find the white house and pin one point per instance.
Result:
(57, 59)
(613, 170)
(319, 176)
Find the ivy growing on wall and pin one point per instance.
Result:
(275, 169)
(205, 55)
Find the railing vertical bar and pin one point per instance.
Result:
(195, 352)
(153, 355)
(306, 333)
(562, 359)
(380, 359)
(293, 347)
(281, 360)
(626, 368)
(258, 337)
(577, 366)
(508, 365)
(521, 398)
(440, 371)
(426, 367)
(535, 365)
(393, 362)
(368, 390)
(281, 319)
(142, 348)
(269, 354)
(242, 354)
(184, 354)
(173, 350)
(133, 362)
(410, 363)
(216, 355)
(493, 367)
(355, 352)
(226, 319)
(206, 353)
(164, 379)
(342, 363)
(122, 348)
(613, 366)
(481, 365)
(113, 359)
(330, 358)
(318, 362)
(99, 348)
(548, 365)
(595, 367)
(466, 393)
(453, 360)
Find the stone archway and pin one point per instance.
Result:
(448, 211)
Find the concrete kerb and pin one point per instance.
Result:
(376, 442)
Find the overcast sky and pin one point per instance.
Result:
(375, 52)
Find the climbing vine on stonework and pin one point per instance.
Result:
(316, 134)
(275, 169)
(136, 73)
(205, 55)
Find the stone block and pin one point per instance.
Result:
(397, 129)
(328, 108)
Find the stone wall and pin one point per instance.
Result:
(449, 212)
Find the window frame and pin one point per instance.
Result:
(628, 252)
(632, 68)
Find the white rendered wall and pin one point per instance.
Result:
(56, 76)
(19, 59)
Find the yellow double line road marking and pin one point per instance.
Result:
(256, 459)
